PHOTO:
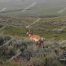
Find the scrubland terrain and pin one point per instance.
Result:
(17, 50)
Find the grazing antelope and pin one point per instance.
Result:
(36, 38)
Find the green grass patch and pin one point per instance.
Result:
(39, 28)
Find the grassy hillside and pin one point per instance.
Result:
(46, 27)
(13, 40)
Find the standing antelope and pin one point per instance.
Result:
(36, 38)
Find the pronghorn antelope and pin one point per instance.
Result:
(36, 38)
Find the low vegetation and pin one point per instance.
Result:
(23, 52)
